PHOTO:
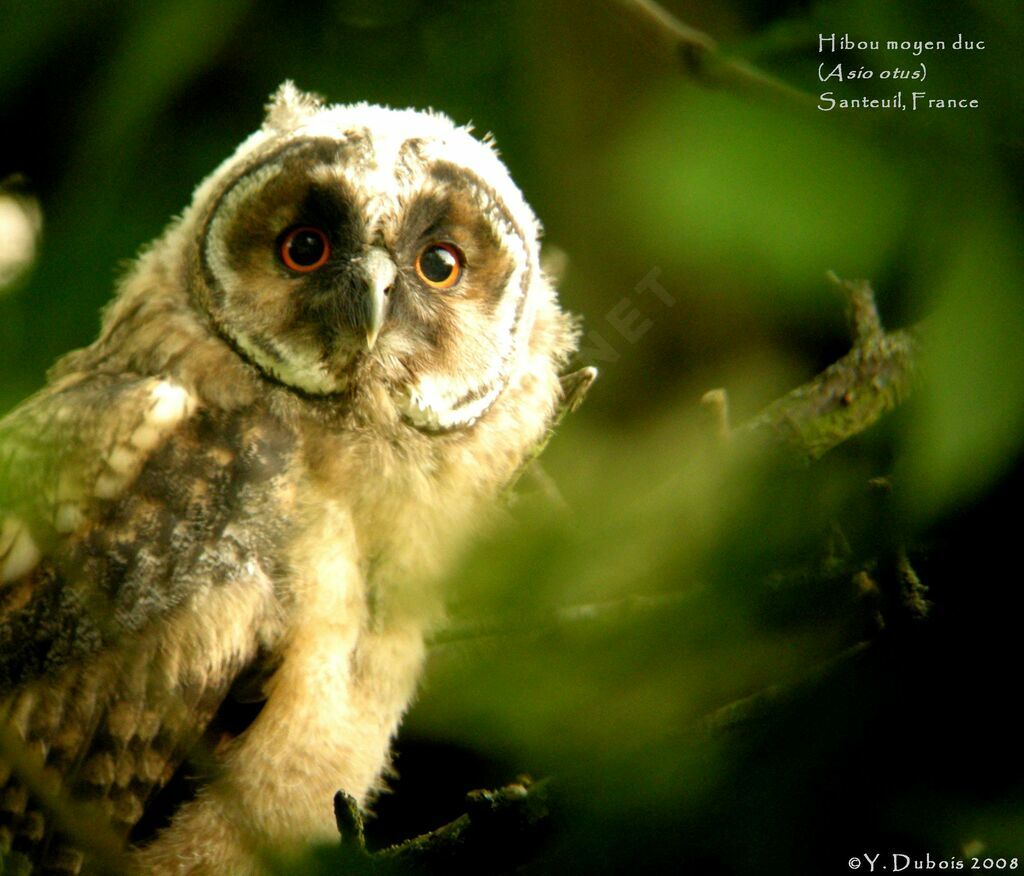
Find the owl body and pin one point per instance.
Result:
(304, 398)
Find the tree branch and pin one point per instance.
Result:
(844, 400)
(848, 396)
(500, 832)
(700, 58)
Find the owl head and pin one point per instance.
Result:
(347, 245)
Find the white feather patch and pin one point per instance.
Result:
(172, 403)
(299, 368)
(20, 554)
(169, 405)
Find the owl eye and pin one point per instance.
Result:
(439, 265)
(303, 249)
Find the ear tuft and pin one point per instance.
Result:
(288, 107)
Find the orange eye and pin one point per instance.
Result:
(303, 249)
(439, 265)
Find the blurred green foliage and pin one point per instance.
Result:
(681, 580)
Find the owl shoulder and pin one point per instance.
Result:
(128, 491)
(72, 447)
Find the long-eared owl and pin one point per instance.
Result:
(304, 397)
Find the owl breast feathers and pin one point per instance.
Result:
(224, 524)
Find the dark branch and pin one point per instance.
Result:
(500, 832)
(699, 57)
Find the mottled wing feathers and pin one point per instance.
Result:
(134, 587)
(67, 458)
(71, 448)
(95, 742)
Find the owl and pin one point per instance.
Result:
(225, 525)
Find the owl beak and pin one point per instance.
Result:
(380, 272)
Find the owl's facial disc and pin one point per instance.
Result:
(333, 262)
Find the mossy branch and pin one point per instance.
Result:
(841, 402)
(849, 396)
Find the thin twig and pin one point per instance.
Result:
(913, 590)
(744, 710)
(715, 403)
(700, 57)
(500, 831)
(861, 310)
(570, 615)
(349, 819)
(575, 387)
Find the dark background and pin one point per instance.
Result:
(719, 580)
